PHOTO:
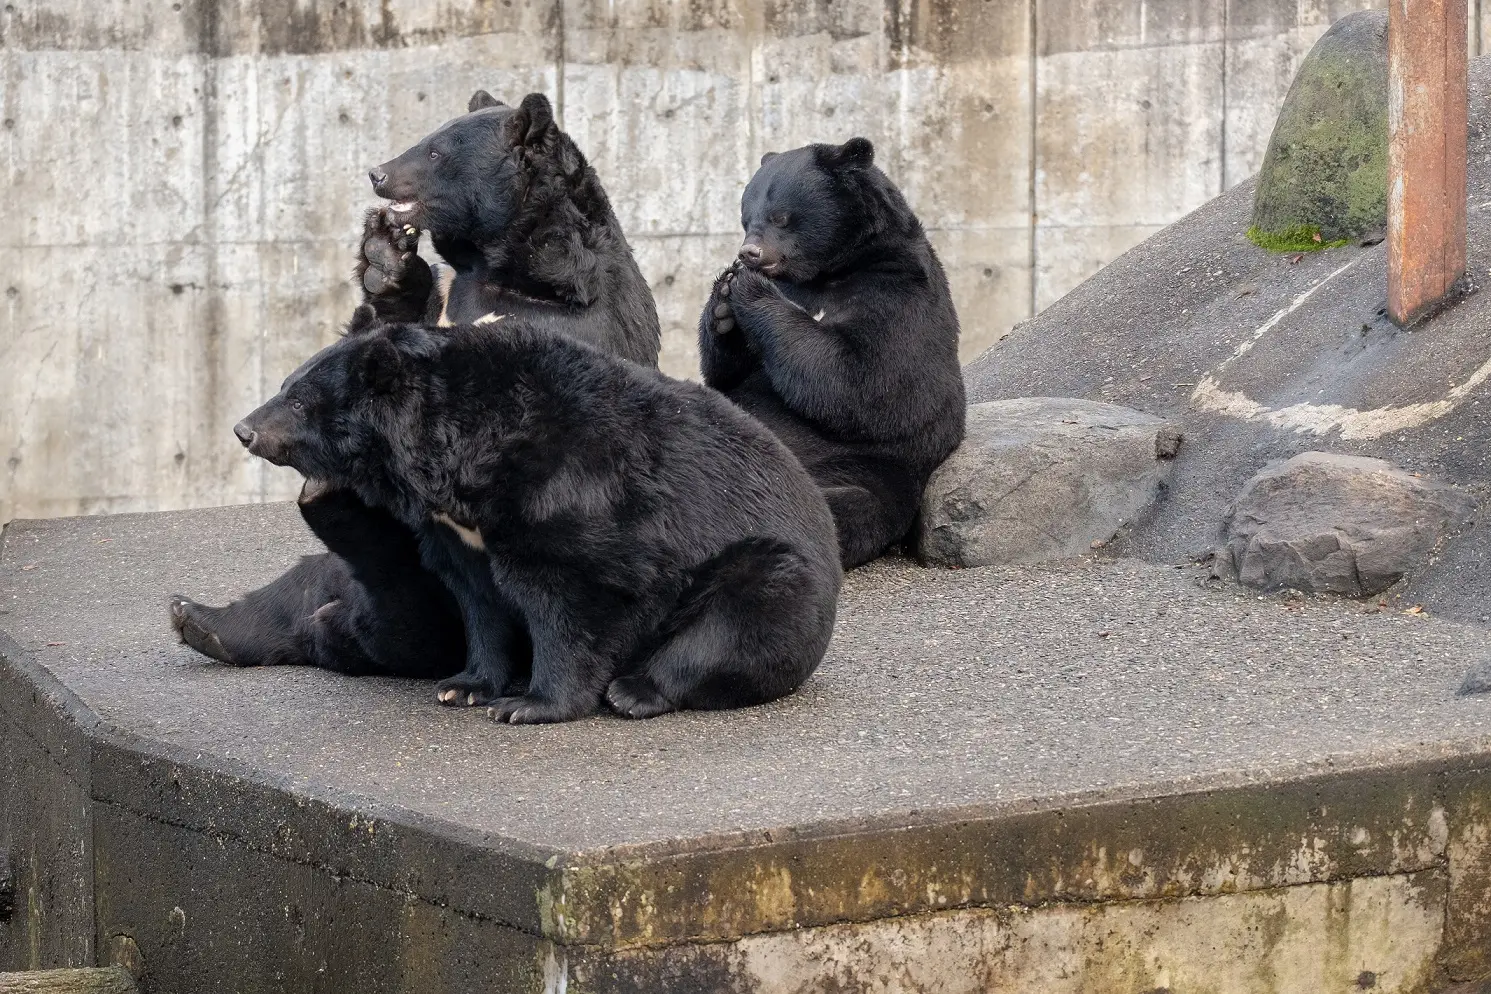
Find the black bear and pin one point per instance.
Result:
(523, 223)
(665, 550)
(836, 329)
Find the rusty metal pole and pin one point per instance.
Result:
(1426, 158)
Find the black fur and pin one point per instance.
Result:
(664, 550)
(836, 329)
(514, 208)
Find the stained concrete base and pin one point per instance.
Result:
(1102, 776)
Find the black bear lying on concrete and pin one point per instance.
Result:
(664, 549)
(836, 329)
(513, 207)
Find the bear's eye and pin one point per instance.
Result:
(296, 405)
(434, 154)
(779, 219)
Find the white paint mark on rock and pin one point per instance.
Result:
(1319, 419)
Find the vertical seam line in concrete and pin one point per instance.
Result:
(1226, 41)
(754, 103)
(1035, 26)
(559, 68)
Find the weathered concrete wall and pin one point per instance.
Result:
(186, 179)
(1372, 933)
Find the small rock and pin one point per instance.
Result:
(1326, 523)
(1477, 681)
(1041, 478)
(1167, 442)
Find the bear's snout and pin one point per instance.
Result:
(379, 177)
(245, 434)
(759, 256)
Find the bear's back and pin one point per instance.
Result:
(731, 477)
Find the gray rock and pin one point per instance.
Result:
(1325, 171)
(1477, 680)
(1040, 478)
(1326, 523)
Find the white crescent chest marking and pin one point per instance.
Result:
(446, 277)
(471, 536)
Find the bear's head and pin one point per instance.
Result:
(814, 210)
(331, 412)
(467, 180)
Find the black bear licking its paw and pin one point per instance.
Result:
(836, 329)
(664, 550)
(525, 230)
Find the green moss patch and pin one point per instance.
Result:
(1300, 238)
(1326, 168)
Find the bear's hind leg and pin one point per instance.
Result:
(862, 523)
(751, 628)
(259, 629)
(197, 626)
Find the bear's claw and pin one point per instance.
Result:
(466, 690)
(388, 246)
(723, 316)
(529, 711)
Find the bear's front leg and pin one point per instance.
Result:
(394, 279)
(725, 357)
(568, 678)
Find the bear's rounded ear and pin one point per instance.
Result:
(481, 100)
(533, 121)
(767, 157)
(856, 153)
(362, 319)
(380, 366)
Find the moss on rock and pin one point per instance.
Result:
(1300, 238)
(1325, 171)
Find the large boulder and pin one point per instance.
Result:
(1326, 523)
(1324, 177)
(1040, 478)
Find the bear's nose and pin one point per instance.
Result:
(245, 434)
(750, 254)
(378, 176)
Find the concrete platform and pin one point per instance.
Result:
(1091, 777)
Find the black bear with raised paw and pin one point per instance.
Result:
(522, 222)
(514, 209)
(664, 549)
(836, 329)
